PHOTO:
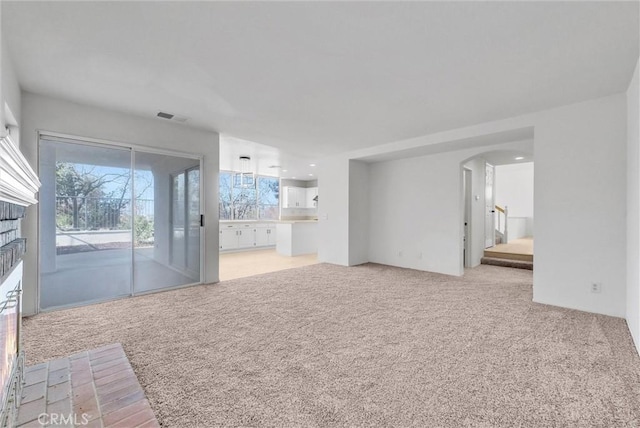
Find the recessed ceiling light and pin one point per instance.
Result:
(284, 170)
(312, 164)
(292, 177)
(310, 175)
(520, 158)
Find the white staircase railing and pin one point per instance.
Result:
(502, 230)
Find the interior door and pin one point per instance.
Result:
(489, 198)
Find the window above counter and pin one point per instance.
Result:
(259, 202)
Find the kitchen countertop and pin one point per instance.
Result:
(249, 221)
(269, 221)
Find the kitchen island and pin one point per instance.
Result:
(297, 237)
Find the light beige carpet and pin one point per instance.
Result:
(366, 346)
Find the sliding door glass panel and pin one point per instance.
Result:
(178, 256)
(85, 223)
(193, 214)
(166, 238)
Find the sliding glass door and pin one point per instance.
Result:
(85, 223)
(166, 234)
(185, 221)
(107, 222)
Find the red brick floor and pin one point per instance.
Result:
(96, 388)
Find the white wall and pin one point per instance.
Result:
(519, 227)
(416, 216)
(514, 189)
(9, 87)
(2, 74)
(2, 78)
(580, 158)
(414, 222)
(54, 115)
(359, 200)
(343, 207)
(333, 211)
(633, 207)
(580, 189)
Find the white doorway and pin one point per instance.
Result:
(467, 192)
(481, 220)
(489, 211)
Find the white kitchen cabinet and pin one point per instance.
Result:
(311, 194)
(288, 197)
(262, 237)
(299, 197)
(238, 236)
(228, 238)
(294, 197)
(265, 236)
(246, 237)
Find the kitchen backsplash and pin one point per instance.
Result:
(299, 214)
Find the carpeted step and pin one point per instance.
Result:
(518, 264)
(497, 254)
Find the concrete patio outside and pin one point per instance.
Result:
(96, 265)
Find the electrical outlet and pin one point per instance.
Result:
(596, 287)
(400, 253)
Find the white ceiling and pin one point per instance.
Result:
(521, 136)
(265, 160)
(318, 78)
(508, 157)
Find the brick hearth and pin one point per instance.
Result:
(96, 388)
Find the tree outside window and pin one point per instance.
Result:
(268, 197)
(254, 203)
(225, 202)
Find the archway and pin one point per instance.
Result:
(497, 192)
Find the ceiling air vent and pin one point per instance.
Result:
(165, 115)
(173, 117)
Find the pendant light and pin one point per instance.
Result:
(245, 178)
